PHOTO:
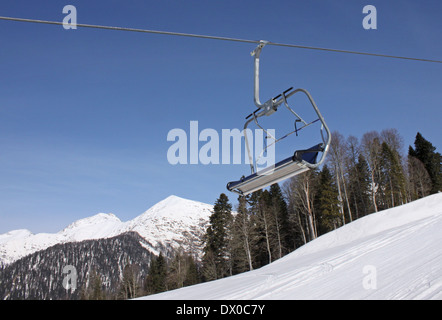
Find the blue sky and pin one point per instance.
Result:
(84, 114)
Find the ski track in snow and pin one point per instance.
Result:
(403, 245)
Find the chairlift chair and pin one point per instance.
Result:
(301, 161)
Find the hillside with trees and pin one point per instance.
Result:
(359, 177)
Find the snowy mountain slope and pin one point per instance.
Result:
(393, 254)
(173, 221)
(39, 276)
(19, 243)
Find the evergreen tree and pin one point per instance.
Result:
(156, 279)
(216, 253)
(426, 153)
(192, 273)
(327, 203)
(360, 178)
(95, 288)
(392, 177)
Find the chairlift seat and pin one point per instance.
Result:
(301, 161)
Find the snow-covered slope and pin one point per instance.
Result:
(19, 243)
(173, 221)
(393, 254)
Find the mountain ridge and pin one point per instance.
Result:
(40, 275)
(173, 221)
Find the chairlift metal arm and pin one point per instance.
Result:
(256, 53)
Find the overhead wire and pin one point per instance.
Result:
(201, 36)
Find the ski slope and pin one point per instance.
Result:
(393, 254)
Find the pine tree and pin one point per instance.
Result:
(95, 289)
(426, 152)
(360, 178)
(216, 253)
(192, 273)
(156, 279)
(392, 177)
(327, 203)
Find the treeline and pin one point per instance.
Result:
(164, 273)
(358, 178)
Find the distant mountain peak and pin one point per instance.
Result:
(101, 225)
(95, 219)
(175, 200)
(14, 234)
(172, 222)
(173, 197)
(174, 207)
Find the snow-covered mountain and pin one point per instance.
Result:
(40, 276)
(393, 254)
(173, 221)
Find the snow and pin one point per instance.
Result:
(99, 226)
(173, 221)
(15, 234)
(393, 254)
(176, 220)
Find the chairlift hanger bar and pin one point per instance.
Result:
(218, 38)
